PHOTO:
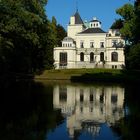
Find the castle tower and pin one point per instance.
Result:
(75, 26)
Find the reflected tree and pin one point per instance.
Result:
(26, 111)
(128, 127)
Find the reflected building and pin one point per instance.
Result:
(87, 108)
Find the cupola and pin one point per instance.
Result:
(94, 23)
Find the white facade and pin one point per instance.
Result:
(89, 46)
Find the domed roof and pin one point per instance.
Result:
(68, 39)
(95, 20)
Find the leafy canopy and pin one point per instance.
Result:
(25, 36)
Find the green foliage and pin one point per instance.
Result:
(118, 24)
(61, 33)
(128, 17)
(133, 57)
(26, 36)
(130, 31)
(136, 31)
(126, 11)
(26, 110)
(53, 26)
(58, 32)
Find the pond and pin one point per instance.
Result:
(45, 110)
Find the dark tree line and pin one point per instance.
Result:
(27, 37)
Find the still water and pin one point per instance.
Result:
(68, 111)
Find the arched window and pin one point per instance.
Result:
(81, 56)
(91, 57)
(114, 56)
(102, 56)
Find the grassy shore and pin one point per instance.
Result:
(90, 75)
(67, 74)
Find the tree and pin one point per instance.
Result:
(128, 17)
(133, 57)
(25, 36)
(118, 24)
(58, 32)
(61, 33)
(51, 42)
(130, 31)
(136, 31)
(54, 30)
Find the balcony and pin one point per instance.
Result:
(87, 51)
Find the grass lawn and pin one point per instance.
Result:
(91, 75)
(67, 74)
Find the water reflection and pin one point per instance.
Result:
(87, 108)
(26, 111)
(46, 111)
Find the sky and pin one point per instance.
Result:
(104, 10)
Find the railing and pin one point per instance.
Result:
(89, 50)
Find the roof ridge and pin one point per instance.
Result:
(92, 30)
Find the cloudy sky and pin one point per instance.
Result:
(104, 10)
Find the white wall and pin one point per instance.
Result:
(87, 38)
(110, 49)
(121, 59)
(72, 20)
(74, 29)
(71, 56)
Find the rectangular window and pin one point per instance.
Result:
(114, 56)
(63, 94)
(114, 99)
(91, 109)
(102, 98)
(81, 95)
(117, 33)
(82, 56)
(63, 59)
(81, 109)
(91, 44)
(91, 98)
(82, 44)
(112, 66)
(101, 44)
(102, 56)
(114, 43)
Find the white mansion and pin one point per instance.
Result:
(88, 46)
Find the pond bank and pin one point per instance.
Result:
(91, 75)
